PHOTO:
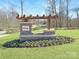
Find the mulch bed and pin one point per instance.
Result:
(41, 42)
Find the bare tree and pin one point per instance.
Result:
(52, 7)
(51, 10)
(67, 11)
(76, 10)
(61, 12)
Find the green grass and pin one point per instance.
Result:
(66, 51)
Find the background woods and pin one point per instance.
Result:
(67, 17)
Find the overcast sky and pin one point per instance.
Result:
(32, 6)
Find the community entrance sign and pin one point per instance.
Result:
(26, 27)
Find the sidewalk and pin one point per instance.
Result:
(4, 35)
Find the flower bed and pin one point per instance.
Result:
(42, 42)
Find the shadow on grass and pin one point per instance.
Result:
(1, 47)
(41, 42)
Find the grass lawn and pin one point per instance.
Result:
(66, 51)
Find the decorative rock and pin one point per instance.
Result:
(49, 32)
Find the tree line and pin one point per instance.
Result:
(64, 10)
(8, 20)
(8, 17)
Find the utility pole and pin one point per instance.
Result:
(21, 7)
